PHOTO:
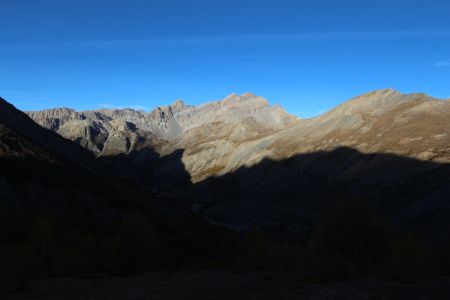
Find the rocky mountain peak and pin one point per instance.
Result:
(373, 95)
(178, 104)
(55, 117)
(230, 99)
(245, 100)
(373, 103)
(57, 111)
(4, 104)
(47, 140)
(247, 95)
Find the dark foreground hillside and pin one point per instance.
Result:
(227, 285)
(376, 223)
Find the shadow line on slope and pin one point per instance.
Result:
(278, 193)
(288, 194)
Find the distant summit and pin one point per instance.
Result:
(244, 162)
(43, 141)
(221, 136)
(97, 129)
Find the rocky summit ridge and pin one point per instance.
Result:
(241, 162)
(240, 130)
(113, 131)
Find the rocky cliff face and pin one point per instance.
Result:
(54, 118)
(383, 121)
(240, 130)
(42, 173)
(47, 141)
(256, 164)
(215, 127)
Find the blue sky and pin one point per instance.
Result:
(307, 56)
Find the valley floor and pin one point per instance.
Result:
(224, 285)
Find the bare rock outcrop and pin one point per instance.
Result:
(108, 132)
(240, 130)
(55, 117)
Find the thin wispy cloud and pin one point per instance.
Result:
(112, 106)
(442, 64)
(256, 38)
(105, 105)
(278, 37)
(298, 113)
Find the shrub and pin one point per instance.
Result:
(43, 243)
(350, 240)
(254, 250)
(409, 259)
(137, 246)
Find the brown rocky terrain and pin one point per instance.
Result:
(256, 164)
(42, 172)
(358, 192)
(216, 284)
(219, 137)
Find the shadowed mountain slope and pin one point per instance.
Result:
(220, 137)
(43, 173)
(62, 216)
(58, 218)
(13, 120)
(248, 167)
(124, 130)
(386, 121)
(289, 194)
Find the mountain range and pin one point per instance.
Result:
(241, 162)
(219, 137)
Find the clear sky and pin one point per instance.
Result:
(307, 56)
